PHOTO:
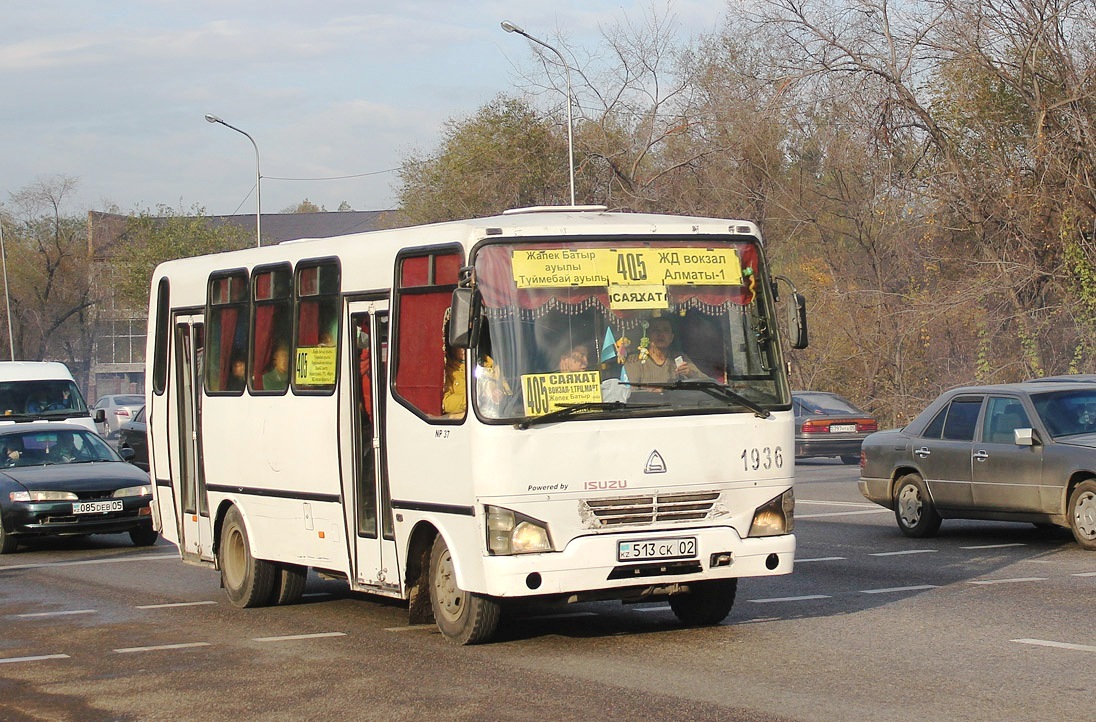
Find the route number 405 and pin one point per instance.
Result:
(762, 458)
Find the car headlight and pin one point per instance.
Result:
(511, 533)
(143, 490)
(28, 496)
(775, 517)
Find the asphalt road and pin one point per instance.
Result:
(988, 621)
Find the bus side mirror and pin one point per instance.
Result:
(797, 320)
(464, 318)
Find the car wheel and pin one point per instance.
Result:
(707, 604)
(913, 510)
(462, 617)
(1082, 514)
(248, 581)
(8, 543)
(144, 536)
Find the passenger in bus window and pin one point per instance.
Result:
(277, 378)
(237, 378)
(454, 401)
(703, 343)
(663, 362)
(574, 357)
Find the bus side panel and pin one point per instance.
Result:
(264, 454)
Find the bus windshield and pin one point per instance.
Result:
(625, 326)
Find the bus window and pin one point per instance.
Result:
(272, 323)
(227, 320)
(428, 375)
(315, 353)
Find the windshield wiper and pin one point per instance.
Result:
(712, 388)
(570, 410)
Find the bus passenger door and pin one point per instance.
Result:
(184, 443)
(370, 515)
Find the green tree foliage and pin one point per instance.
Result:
(505, 156)
(306, 206)
(151, 238)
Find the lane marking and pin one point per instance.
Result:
(820, 559)
(904, 552)
(890, 590)
(56, 614)
(161, 647)
(174, 604)
(293, 637)
(39, 658)
(411, 628)
(1084, 574)
(860, 504)
(844, 513)
(996, 546)
(1008, 581)
(790, 599)
(120, 560)
(1056, 645)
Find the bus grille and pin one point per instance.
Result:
(631, 510)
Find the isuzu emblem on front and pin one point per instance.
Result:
(655, 464)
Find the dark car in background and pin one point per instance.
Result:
(829, 425)
(61, 479)
(134, 435)
(1021, 452)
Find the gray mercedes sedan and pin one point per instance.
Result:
(1014, 452)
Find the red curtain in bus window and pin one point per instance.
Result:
(421, 350)
(264, 344)
(228, 333)
(309, 324)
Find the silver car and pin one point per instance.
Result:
(119, 409)
(1014, 452)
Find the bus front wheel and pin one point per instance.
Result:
(707, 604)
(462, 617)
(248, 582)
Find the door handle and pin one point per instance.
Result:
(922, 452)
(981, 455)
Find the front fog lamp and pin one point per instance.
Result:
(775, 517)
(512, 533)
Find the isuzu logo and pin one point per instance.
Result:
(655, 464)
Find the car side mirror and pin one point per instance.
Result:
(127, 453)
(1025, 437)
(100, 416)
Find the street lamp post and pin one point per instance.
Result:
(7, 298)
(258, 178)
(511, 28)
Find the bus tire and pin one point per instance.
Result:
(462, 617)
(707, 604)
(1082, 514)
(289, 583)
(913, 510)
(144, 536)
(248, 581)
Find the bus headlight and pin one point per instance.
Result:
(775, 517)
(511, 533)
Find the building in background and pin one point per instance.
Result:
(117, 365)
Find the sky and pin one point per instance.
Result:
(114, 92)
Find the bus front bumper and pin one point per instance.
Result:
(592, 564)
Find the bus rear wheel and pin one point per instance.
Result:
(289, 583)
(462, 617)
(707, 604)
(248, 582)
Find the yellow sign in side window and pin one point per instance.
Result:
(556, 268)
(315, 366)
(547, 392)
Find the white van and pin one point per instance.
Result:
(42, 391)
